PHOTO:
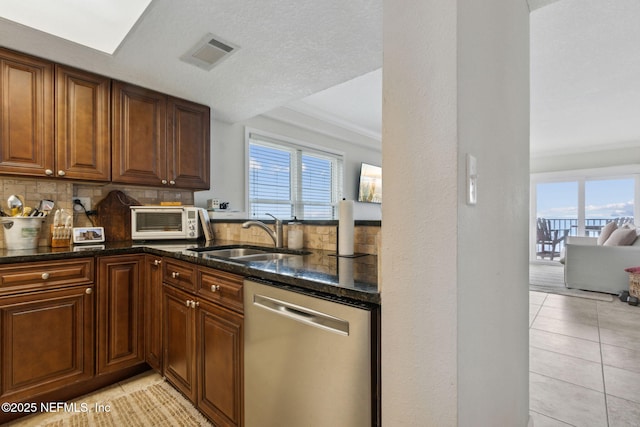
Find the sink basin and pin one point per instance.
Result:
(266, 257)
(248, 254)
(234, 252)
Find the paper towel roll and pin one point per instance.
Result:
(345, 271)
(345, 227)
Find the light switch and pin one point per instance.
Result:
(472, 180)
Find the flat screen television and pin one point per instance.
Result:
(370, 187)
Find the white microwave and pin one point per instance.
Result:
(166, 222)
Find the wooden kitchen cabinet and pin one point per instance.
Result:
(153, 311)
(219, 343)
(120, 321)
(47, 324)
(179, 359)
(83, 132)
(173, 134)
(188, 144)
(203, 343)
(26, 114)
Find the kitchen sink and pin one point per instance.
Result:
(233, 252)
(240, 253)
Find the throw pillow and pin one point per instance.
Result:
(606, 232)
(621, 237)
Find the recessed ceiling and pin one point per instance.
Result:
(98, 24)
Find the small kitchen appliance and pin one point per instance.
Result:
(166, 222)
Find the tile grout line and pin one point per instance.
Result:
(604, 383)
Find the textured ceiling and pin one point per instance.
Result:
(288, 49)
(307, 55)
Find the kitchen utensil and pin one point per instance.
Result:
(45, 207)
(15, 205)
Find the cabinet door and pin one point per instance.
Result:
(83, 134)
(153, 312)
(47, 341)
(120, 321)
(219, 338)
(139, 135)
(189, 144)
(179, 358)
(26, 115)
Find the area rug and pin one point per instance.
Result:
(156, 405)
(550, 279)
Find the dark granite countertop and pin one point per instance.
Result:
(317, 270)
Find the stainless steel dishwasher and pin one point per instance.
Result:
(308, 361)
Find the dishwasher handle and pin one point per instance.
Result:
(302, 314)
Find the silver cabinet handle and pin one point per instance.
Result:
(88, 291)
(172, 182)
(48, 172)
(215, 288)
(164, 182)
(61, 173)
(175, 275)
(196, 304)
(157, 262)
(45, 276)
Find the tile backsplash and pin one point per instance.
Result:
(315, 236)
(62, 192)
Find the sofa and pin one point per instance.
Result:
(594, 267)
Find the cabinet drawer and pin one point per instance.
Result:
(180, 274)
(48, 274)
(221, 287)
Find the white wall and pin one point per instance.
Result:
(455, 277)
(586, 159)
(228, 162)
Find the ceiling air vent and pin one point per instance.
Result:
(208, 52)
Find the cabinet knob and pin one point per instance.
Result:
(196, 304)
(175, 275)
(172, 182)
(61, 173)
(48, 172)
(45, 276)
(215, 288)
(189, 303)
(88, 291)
(157, 262)
(164, 182)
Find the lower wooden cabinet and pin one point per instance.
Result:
(219, 343)
(120, 322)
(153, 311)
(47, 341)
(203, 354)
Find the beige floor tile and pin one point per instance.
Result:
(622, 413)
(621, 357)
(621, 338)
(572, 329)
(570, 303)
(571, 314)
(566, 368)
(537, 297)
(621, 383)
(540, 420)
(566, 402)
(620, 320)
(563, 344)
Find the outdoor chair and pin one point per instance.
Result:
(548, 239)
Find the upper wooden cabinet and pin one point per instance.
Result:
(159, 140)
(188, 144)
(83, 133)
(26, 114)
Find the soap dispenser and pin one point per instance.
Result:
(295, 234)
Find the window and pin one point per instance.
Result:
(287, 179)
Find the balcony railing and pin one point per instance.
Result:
(592, 226)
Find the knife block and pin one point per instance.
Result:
(62, 237)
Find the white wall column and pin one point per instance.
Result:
(454, 276)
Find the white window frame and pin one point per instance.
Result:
(299, 147)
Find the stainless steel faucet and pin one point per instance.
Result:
(275, 235)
